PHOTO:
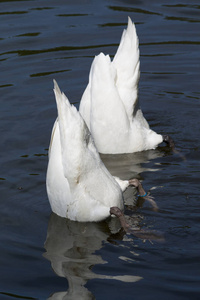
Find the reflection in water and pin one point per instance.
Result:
(71, 247)
(129, 165)
(39, 44)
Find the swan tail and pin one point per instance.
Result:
(120, 77)
(85, 103)
(73, 133)
(106, 108)
(69, 118)
(100, 66)
(127, 64)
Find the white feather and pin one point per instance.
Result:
(110, 104)
(79, 186)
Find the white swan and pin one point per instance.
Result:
(79, 186)
(110, 105)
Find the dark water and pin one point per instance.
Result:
(42, 40)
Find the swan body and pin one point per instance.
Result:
(110, 105)
(79, 186)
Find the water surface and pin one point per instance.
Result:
(43, 256)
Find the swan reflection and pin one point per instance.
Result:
(129, 165)
(71, 246)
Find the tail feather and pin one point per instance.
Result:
(127, 63)
(73, 132)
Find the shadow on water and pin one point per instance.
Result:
(71, 248)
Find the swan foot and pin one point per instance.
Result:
(114, 210)
(141, 193)
(151, 200)
(136, 183)
(169, 141)
(151, 235)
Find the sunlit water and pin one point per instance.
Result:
(43, 256)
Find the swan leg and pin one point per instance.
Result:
(119, 214)
(151, 200)
(141, 192)
(169, 141)
(139, 233)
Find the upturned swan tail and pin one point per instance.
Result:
(127, 64)
(74, 134)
